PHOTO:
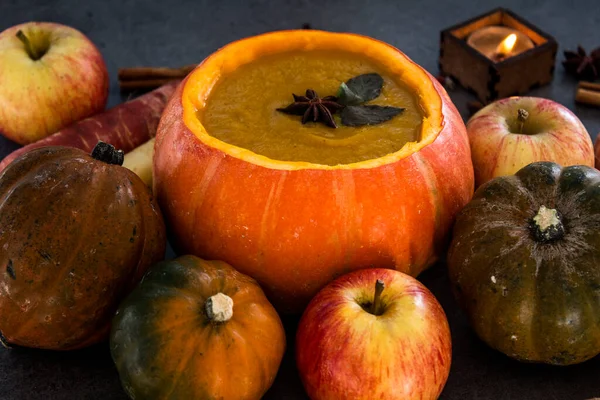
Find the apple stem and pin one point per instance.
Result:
(28, 47)
(379, 286)
(522, 116)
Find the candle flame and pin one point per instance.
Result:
(506, 46)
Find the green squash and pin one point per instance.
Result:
(525, 263)
(196, 330)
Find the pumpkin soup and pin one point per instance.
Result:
(244, 109)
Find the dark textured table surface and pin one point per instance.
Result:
(170, 33)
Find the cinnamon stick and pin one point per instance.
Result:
(590, 86)
(143, 84)
(147, 73)
(588, 93)
(146, 78)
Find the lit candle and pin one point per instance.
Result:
(506, 46)
(499, 42)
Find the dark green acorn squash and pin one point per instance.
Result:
(525, 263)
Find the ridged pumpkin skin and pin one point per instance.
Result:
(533, 299)
(165, 346)
(295, 226)
(76, 235)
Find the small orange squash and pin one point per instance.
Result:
(76, 234)
(196, 329)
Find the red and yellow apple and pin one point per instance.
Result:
(51, 75)
(511, 133)
(374, 334)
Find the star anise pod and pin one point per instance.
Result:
(314, 108)
(581, 64)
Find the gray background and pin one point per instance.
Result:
(170, 33)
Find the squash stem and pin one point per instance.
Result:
(547, 225)
(379, 286)
(219, 308)
(107, 153)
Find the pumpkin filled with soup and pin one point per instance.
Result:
(298, 156)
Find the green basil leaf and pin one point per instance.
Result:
(366, 86)
(347, 97)
(368, 115)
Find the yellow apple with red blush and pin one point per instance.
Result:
(51, 75)
(513, 132)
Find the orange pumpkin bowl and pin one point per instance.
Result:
(295, 226)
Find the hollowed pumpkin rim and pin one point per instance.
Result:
(202, 80)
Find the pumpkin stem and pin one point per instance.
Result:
(219, 308)
(522, 116)
(379, 286)
(547, 225)
(107, 153)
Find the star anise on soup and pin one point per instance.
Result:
(313, 108)
(581, 64)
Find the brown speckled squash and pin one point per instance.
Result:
(525, 263)
(77, 232)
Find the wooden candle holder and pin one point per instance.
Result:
(491, 80)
